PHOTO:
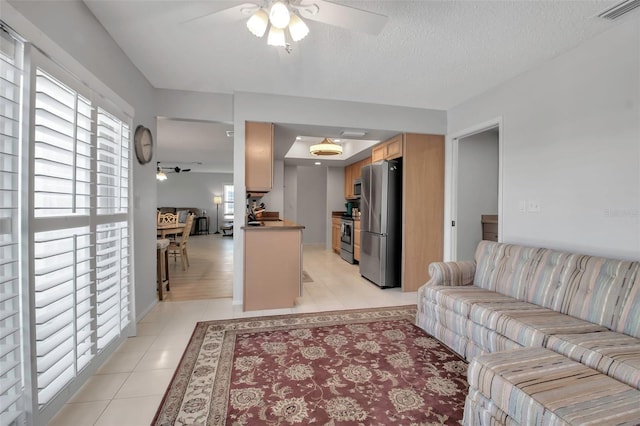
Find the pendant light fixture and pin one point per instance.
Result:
(326, 147)
(280, 16)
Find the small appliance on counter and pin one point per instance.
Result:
(349, 207)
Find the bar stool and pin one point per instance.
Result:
(162, 273)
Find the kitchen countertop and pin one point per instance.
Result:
(273, 225)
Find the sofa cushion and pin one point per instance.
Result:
(460, 299)
(479, 410)
(599, 288)
(485, 339)
(614, 354)
(538, 386)
(528, 324)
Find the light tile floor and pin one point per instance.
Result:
(128, 388)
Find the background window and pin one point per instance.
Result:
(228, 201)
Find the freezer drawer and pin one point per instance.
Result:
(374, 262)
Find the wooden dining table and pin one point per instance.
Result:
(170, 228)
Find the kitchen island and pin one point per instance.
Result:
(272, 264)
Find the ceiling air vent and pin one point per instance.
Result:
(619, 9)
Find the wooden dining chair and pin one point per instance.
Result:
(179, 248)
(167, 218)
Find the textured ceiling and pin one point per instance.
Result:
(432, 54)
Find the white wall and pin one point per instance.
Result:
(194, 190)
(312, 203)
(477, 189)
(216, 107)
(291, 193)
(571, 132)
(274, 200)
(294, 110)
(335, 198)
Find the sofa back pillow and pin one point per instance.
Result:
(548, 283)
(599, 290)
(504, 268)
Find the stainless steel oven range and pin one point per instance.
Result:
(346, 238)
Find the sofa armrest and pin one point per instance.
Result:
(452, 273)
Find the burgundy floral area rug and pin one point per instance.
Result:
(360, 367)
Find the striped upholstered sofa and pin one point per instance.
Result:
(552, 337)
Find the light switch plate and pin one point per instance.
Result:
(533, 206)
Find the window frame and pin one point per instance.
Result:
(42, 413)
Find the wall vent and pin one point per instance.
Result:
(619, 9)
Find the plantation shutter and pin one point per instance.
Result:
(81, 227)
(11, 339)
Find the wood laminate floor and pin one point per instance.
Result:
(210, 274)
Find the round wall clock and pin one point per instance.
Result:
(143, 144)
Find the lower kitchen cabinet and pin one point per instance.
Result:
(356, 239)
(335, 234)
(272, 265)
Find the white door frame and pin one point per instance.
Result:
(451, 182)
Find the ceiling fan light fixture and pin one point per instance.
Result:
(276, 37)
(297, 28)
(279, 15)
(258, 23)
(326, 147)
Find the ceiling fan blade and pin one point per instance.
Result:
(186, 170)
(343, 16)
(231, 14)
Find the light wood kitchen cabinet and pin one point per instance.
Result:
(351, 173)
(258, 156)
(348, 182)
(387, 150)
(422, 207)
(272, 265)
(335, 234)
(356, 239)
(365, 162)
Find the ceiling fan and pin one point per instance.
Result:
(262, 13)
(161, 175)
(175, 169)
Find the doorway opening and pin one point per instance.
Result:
(197, 159)
(476, 190)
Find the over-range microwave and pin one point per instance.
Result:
(357, 188)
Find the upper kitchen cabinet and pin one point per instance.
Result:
(351, 173)
(258, 156)
(348, 181)
(387, 150)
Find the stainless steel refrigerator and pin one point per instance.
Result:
(381, 223)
